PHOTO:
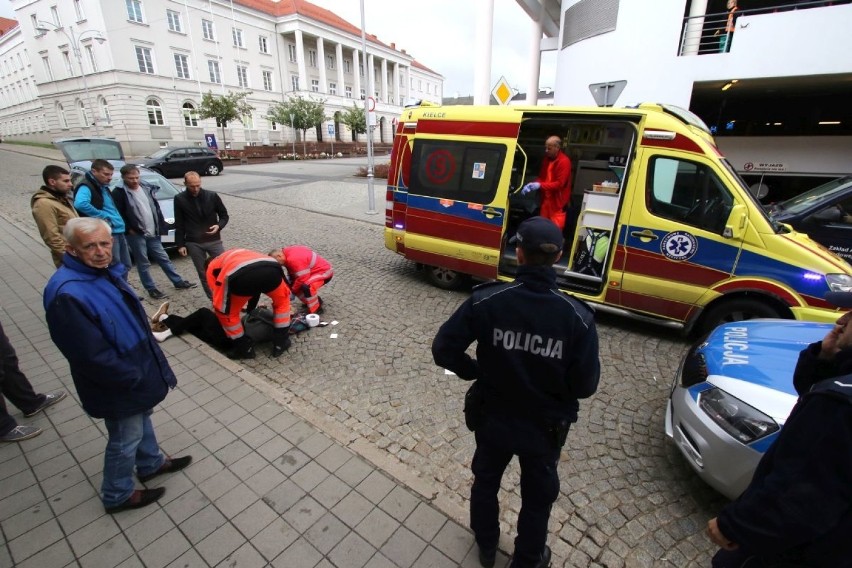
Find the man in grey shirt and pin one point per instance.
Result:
(138, 206)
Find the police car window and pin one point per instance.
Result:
(688, 192)
(461, 171)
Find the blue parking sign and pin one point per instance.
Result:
(211, 141)
(331, 130)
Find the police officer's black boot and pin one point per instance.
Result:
(543, 562)
(242, 348)
(280, 340)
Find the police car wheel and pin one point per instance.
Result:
(445, 278)
(738, 310)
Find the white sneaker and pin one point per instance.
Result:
(162, 335)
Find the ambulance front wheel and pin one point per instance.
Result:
(445, 278)
(738, 309)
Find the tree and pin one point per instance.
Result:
(355, 118)
(306, 113)
(225, 109)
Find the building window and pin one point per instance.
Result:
(34, 22)
(213, 68)
(348, 91)
(54, 14)
(332, 88)
(312, 58)
(63, 119)
(105, 116)
(134, 10)
(315, 85)
(66, 58)
(267, 80)
(329, 61)
(273, 125)
(207, 30)
(155, 112)
(294, 82)
(237, 36)
(78, 10)
(190, 115)
(263, 44)
(144, 60)
(291, 50)
(242, 76)
(47, 70)
(174, 21)
(181, 66)
(347, 66)
(361, 69)
(363, 93)
(84, 114)
(90, 54)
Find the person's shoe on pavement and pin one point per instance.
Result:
(50, 399)
(20, 433)
(487, 557)
(186, 285)
(156, 294)
(161, 336)
(171, 465)
(139, 498)
(543, 563)
(163, 310)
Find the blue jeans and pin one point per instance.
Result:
(131, 443)
(120, 252)
(146, 249)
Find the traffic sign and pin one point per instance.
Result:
(331, 130)
(502, 92)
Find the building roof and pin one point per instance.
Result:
(6, 24)
(415, 63)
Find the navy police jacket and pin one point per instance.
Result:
(99, 325)
(797, 510)
(536, 347)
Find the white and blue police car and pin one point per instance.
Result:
(732, 394)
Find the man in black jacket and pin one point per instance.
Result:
(536, 355)
(137, 204)
(200, 217)
(797, 510)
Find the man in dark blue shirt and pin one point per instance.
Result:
(536, 355)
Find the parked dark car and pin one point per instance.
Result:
(175, 162)
(824, 213)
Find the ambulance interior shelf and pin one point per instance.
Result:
(594, 229)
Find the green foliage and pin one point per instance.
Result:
(306, 113)
(225, 109)
(355, 118)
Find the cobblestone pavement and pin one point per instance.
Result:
(627, 497)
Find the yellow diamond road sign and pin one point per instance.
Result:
(502, 91)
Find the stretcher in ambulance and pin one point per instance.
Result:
(660, 227)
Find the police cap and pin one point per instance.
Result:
(538, 234)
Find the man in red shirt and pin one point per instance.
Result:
(554, 181)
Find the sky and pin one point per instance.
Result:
(440, 35)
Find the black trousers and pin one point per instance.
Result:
(203, 324)
(14, 385)
(498, 439)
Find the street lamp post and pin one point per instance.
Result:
(74, 40)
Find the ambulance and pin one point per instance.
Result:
(661, 226)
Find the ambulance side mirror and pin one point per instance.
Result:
(737, 222)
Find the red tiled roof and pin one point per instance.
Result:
(6, 24)
(306, 9)
(415, 63)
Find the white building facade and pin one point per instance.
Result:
(147, 63)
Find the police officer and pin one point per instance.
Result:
(536, 355)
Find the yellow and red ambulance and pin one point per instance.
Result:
(662, 228)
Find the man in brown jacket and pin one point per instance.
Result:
(52, 207)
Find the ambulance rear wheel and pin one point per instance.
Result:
(445, 278)
(738, 310)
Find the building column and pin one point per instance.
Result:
(321, 63)
(535, 58)
(384, 92)
(407, 82)
(482, 53)
(691, 40)
(341, 85)
(397, 91)
(300, 61)
(356, 74)
(370, 70)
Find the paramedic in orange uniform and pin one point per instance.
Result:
(238, 277)
(308, 272)
(554, 182)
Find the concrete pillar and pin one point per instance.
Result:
(535, 58)
(356, 73)
(384, 92)
(482, 53)
(691, 40)
(341, 85)
(323, 80)
(406, 87)
(300, 61)
(397, 91)
(371, 75)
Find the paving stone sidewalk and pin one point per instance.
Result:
(266, 488)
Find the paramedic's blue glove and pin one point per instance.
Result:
(532, 186)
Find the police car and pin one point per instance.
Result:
(733, 393)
